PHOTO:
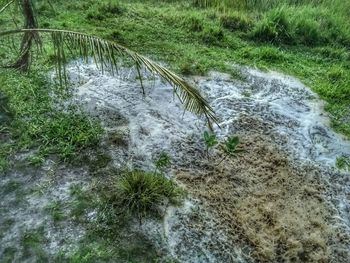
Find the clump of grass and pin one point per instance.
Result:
(304, 25)
(142, 193)
(332, 53)
(268, 54)
(110, 235)
(335, 74)
(236, 21)
(105, 10)
(55, 209)
(212, 36)
(274, 27)
(111, 8)
(193, 22)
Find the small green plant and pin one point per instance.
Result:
(231, 148)
(210, 141)
(162, 162)
(142, 193)
(37, 160)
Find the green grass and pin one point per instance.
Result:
(32, 242)
(142, 193)
(39, 123)
(56, 210)
(9, 254)
(305, 25)
(343, 163)
(10, 187)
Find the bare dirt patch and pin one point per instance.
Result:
(262, 198)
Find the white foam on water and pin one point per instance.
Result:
(157, 122)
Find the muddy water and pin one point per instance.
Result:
(281, 108)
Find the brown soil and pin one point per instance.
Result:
(262, 199)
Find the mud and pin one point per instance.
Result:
(281, 200)
(287, 177)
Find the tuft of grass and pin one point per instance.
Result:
(233, 21)
(55, 209)
(267, 54)
(193, 22)
(274, 27)
(142, 193)
(212, 36)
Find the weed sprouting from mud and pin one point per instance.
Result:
(162, 162)
(210, 141)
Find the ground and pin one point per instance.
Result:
(58, 145)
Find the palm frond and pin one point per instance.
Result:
(6, 6)
(106, 53)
